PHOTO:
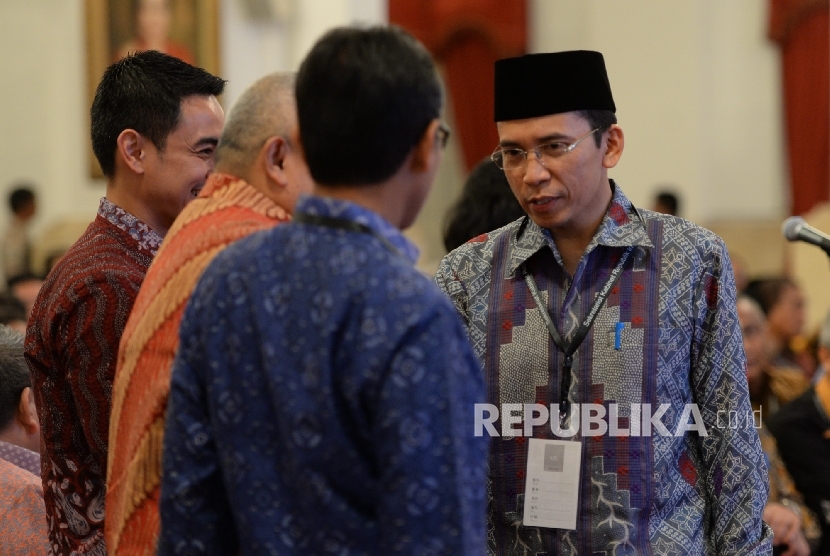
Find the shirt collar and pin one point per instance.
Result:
(338, 208)
(217, 180)
(620, 227)
(20, 456)
(146, 237)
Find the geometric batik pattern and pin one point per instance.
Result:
(666, 337)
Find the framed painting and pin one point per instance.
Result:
(187, 29)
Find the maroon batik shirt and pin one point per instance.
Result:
(71, 348)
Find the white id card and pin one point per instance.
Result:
(552, 486)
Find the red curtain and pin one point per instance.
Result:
(802, 30)
(467, 37)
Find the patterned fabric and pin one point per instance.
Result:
(227, 209)
(21, 457)
(71, 348)
(146, 237)
(321, 402)
(22, 514)
(667, 334)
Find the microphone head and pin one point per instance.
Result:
(792, 226)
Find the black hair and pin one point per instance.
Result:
(668, 200)
(26, 276)
(144, 92)
(364, 99)
(11, 309)
(14, 374)
(602, 119)
(767, 291)
(20, 197)
(486, 203)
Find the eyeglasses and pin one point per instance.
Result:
(515, 159)
(443, 134)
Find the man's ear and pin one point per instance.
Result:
(614, 146)
(274, 152)
(425, 153)
(27, 412)
(130, 148)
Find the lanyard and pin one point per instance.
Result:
(343, 224)
(581, 332)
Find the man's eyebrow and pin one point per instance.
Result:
(206, 141)
(540, 141)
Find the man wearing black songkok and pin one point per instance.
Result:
(619, 412)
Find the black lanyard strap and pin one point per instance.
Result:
(343, 224)
(581, 332)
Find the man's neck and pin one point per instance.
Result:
(572, 242)
(382, 199)
(13, 435)
(117, 195)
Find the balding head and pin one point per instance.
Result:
(264, 110)
(257, 144)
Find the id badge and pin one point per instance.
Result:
(552, 485)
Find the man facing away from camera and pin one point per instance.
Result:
(155, 126)
(321, 399)
(21, 490)
(610, 344)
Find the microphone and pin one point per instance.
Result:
(795, 228)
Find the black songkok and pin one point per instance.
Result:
(542, 84)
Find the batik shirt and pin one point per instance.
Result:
(22, 515)
(667, 334)
(321, 401)
(71, 348)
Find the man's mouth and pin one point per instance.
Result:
(195, 191)
(542, 202)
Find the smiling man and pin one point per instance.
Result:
(259, 175)
(587, 308)
(155, 126)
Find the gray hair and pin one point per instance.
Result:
(266, 109)
(14, 373)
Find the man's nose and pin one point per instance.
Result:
(535, 171)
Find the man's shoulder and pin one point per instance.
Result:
(100, 257)
(230, 205)
(203, 230)
(481, 249)
(22, 511)
(684, 235)
(102, 246)
(14, 479)
(288, 257)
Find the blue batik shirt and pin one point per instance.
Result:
(322, 402)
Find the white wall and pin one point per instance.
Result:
(696, 85)
(43, 103)
(251, 48)
(43, 129)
